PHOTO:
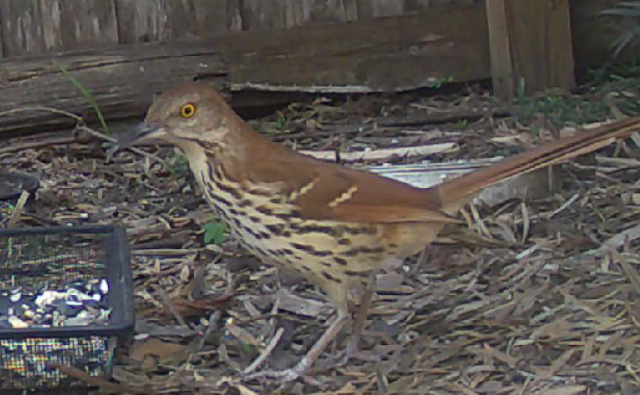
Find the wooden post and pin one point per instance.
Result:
(530, 46)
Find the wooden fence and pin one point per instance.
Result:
(123, 51)
(34, 26)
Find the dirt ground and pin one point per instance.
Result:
(531, 297)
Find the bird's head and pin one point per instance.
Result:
(185, 115)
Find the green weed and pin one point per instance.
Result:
(214, 232)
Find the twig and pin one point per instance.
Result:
(97, 381)
(38, 144)
(78, 118)
(616, 241)
(199, 279)
(80, 125)
(172, 308)
(272, 344)
(386, 153)
(301, 89)
(266, 352)
(561, 208)
(214, 320)
(19, 207)
(164, 251)
(607, 246)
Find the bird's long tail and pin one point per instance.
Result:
(455, 192)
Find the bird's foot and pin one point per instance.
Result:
(305, 363)
(351, 352)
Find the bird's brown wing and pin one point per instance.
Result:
(326, 191)
(351, 195)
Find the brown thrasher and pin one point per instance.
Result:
(334, 225)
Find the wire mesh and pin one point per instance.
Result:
(65, 263)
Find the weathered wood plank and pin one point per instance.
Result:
(530, 44)
(165, 20)
(368, 9)
(21, 27)
(287, 14)
(51, 25)
(262, 15)
(122, 81)
(374, 9)
(557, 42)
(394, 53)
(387, 53)
(1, 40)
(224, 18)
(350, 56)
(502, 68)
(313, 12)
(83, 24)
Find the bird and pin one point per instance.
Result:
(336, 226)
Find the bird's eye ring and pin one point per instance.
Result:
(188, 110)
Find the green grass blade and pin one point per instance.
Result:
(85, 93)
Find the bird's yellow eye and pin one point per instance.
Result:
(188, 110)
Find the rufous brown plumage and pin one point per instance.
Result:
(334, 225)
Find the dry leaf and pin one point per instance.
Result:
(168, 353)
(567, 390)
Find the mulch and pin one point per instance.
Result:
(532, 297)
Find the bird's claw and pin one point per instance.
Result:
(350, 353)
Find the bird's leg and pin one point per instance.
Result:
(361, 316)
(352, 350)
(305, 363)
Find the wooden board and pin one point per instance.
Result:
(39, 26)
(393, 53)
(387, 53)
(21, 32)
(378, 55)
(313, 13)
(35, 26)
(368, 9)
(1, 42)
(531, 46)
(121, 80)
(166, 20)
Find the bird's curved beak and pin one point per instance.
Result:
(141, 132)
